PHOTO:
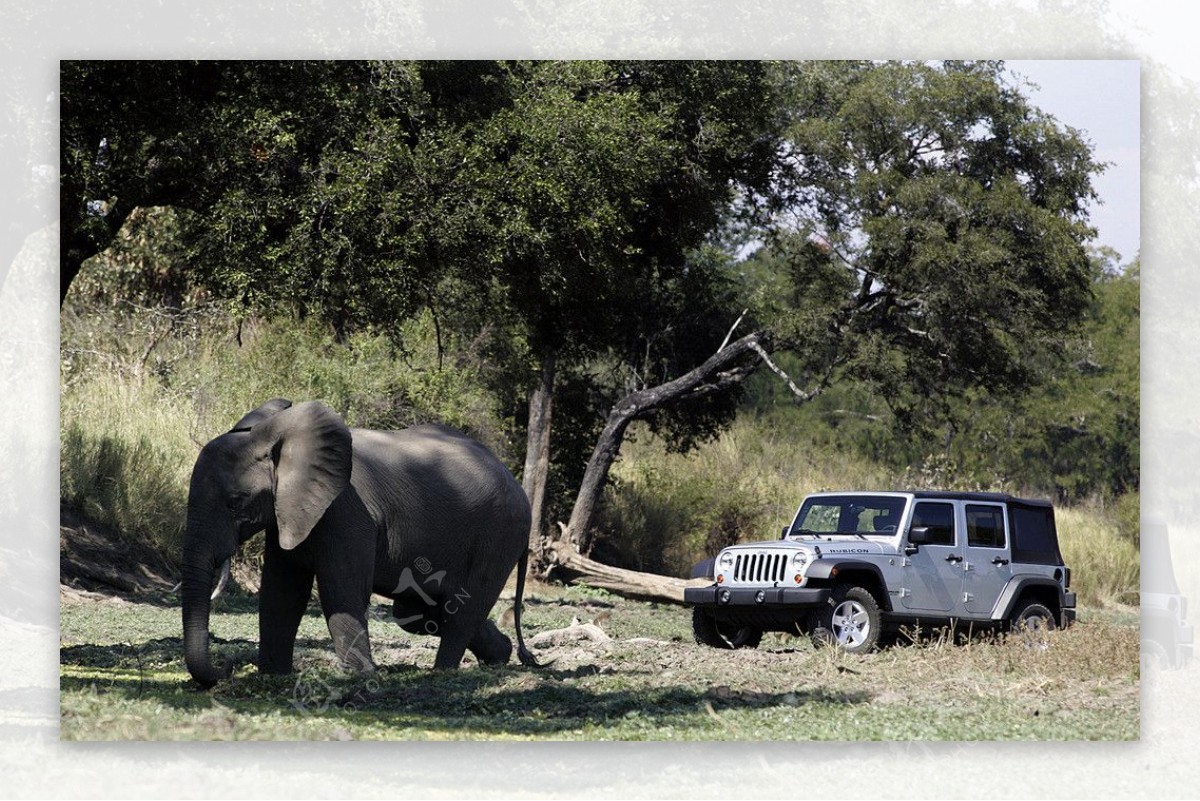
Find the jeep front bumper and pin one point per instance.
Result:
(720, 597)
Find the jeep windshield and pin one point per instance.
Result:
(851, 515)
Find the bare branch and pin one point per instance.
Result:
(732, 328)
(799, 393)
(874, 418)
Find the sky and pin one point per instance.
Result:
(1102, 100)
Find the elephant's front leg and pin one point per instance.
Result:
(282, 599)
(344, 601)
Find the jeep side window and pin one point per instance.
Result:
(985, 527)
(938, 518)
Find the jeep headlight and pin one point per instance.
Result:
(725, 560)
(799, 560)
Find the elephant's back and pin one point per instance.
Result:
(438, 468)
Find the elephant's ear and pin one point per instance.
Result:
(311, 448)
(271, 407)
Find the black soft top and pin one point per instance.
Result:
(1034, 534)
(993, 497)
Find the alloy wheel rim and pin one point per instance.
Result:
(851, 623)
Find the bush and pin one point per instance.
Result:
(1105, 564)
(124, 462)
(667, 511)
(143, 388)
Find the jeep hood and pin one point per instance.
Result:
(838, 545)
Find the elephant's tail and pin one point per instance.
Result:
(523, 653)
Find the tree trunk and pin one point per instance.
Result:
(537, 449)
(722, 370)
(628, 583)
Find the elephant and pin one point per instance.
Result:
(425, 516)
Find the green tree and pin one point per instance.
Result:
(601, 180)
(932, 242)
(560, 199)
(1077, 434)
(936, 238)
(236, 143)
(928, 235)
(130, 137)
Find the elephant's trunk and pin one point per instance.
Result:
(198, 569)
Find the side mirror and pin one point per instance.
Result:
(786, 529)
(917, 535)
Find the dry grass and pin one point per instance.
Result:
(1105, 566)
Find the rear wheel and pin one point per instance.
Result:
(850, 622)
(722, 635)
(1032, 621)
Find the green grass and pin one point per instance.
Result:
(123, 678)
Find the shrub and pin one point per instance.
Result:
(124, 462)
(665, 512)
(143, 388)
(1105, 564)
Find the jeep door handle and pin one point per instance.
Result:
(953, 558)
(999, 561)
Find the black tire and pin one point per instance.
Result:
(1032, 621)
(1032, 615)
(851, 622)
(722, 635)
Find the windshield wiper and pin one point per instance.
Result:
(818, 534)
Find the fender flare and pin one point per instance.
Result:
(1007, 599)
(705, 569)
(823, 570)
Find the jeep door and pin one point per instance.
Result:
(933, 576)
(986, 565)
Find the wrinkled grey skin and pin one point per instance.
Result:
(425, 516)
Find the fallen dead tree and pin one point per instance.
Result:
(563, 556)
(569, 564)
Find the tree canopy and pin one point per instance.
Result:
(917, 229)
(935, 234)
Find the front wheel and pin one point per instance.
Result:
(850, 622)
(722, 635)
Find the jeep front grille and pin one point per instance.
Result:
(760, 567)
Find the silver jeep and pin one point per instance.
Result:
(855, 566)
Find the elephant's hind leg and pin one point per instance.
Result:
(469, 627)
(490, 645)
(451, 649)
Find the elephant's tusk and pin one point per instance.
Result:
(222, 581)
